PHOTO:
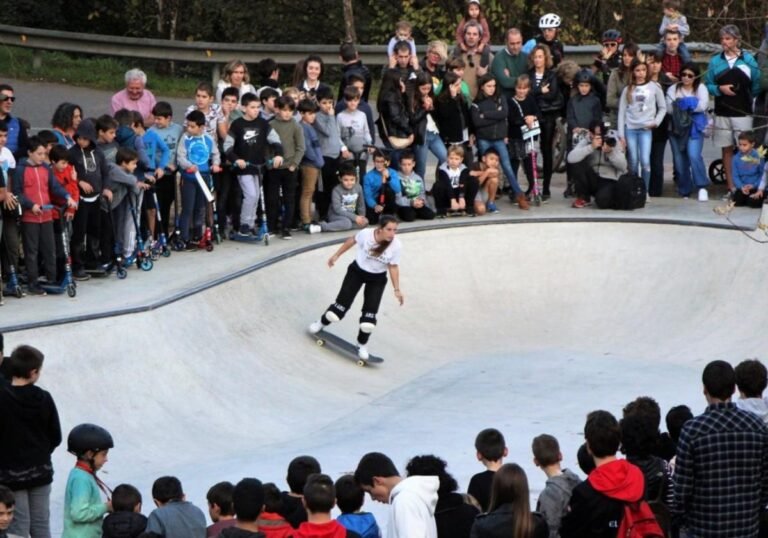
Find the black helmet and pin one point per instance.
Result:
(612, 35)
(584, 76)
(87, 437)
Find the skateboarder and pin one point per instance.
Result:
(378, 251)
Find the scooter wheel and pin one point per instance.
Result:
(146, 264)
(71, 290)
(209, 247)
(166, 252)
(17, 292)
(121, 273)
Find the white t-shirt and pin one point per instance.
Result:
(375, 264)
(7, 162)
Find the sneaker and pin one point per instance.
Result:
(578, 203)
(315, 327)
(491, 207)
(545, 198)
(287, 234)
(362, 351)
(522, 202)
(81, 275)
(190, 246)
(244, 231)
(314, 228)
(568, 192)
(441, 215)
(129, 260)
(703, 195)
(36, 290)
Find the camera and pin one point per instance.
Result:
(610, 140)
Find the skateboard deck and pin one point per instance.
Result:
(344, 348)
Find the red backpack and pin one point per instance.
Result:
(639, 522)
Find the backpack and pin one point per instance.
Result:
(630, 193)
(656, 503)
(639, 522)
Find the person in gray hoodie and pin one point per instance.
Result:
(347, 209)
(553, 500)
(751, 380)
(126, 189)
(595, 163)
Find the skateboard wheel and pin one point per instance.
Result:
(320, 342)
(361, 362)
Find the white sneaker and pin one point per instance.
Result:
(362, 352)
(314, 229)
(703, 195)
(315, 327)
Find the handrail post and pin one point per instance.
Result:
(37, 60)
(215, 74)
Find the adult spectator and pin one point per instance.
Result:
(65, 121)
(353, 65)
(476, 62)
(433, 62)
(510, 62)
(609, 57)
(135, 96)
(596, 508)
(403, 61)
(721, 470)
(307, 77)
(618, 80)
(549, 25)
(734, 79)
(30, 430)
(761, 103)
(17, 130)
(660, 133)
(597, 162)
(393, 121)
(235, 76)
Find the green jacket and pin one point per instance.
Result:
(83, 506)
(516, 65)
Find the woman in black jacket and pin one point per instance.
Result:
(393, 111)
(452, 115)
(509, 514)
(550, 102)
(425, 130)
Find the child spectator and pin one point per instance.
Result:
(403, 32)
(230, 104)
(349, 498)
(283, 175)
(353, 70)
(248, 501)
(215, 123)
(126, 520)
(457, 66)
(748, 171)
(220, 507)
(473, 12)
(487, 173)
(67, 177)
(491, 451)
(553, 500)
(246, 146)
(381, 186)
(353, 130)
(91, 168)
(228, 194)
(299, 470)
(269, 74)
(170, 133)
(319, 499)
(327, 130)
(270, 522)
(751, 380)
(311, 164)
(49, 140)
(522, 112)
(196, 152)
(7, 507)
(357, 82)
(35, 185)
(584, 108)
(675, 419)
(268, 96)
(174, 517)
(106, 130)
(412, 202)
(8, 204)
(454, 186)
(84, 508)
(347, 210)
(413, 499)
(675, 21)
(125, 188)
(29, 427)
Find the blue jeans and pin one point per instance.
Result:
(506, 165)
(32, 513)
(639, 150)
(689, 165)
(434, 144)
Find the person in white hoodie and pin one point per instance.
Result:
(751, 380)
(413, 499)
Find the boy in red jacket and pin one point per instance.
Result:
(66, 175)
(319, 499)
(35, 185)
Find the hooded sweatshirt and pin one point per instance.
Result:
(329, 529)
(273, 525)
(363, 523)
(120, 182)
(758, 406)
(597, 504)
(234, 532)
(553, 501)
(412, 514)
(124, 525)
(90, 164)
(30, 430)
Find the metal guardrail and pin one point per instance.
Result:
(220, 53)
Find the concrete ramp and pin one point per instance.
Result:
(522, 327)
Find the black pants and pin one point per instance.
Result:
(741, 199)
(390, 207)
(374, 289)
(89, 242)
(11, 250)
(548, 124)
(527, 168)
(38, 242)
(587, 184)
(166, 192)
(276, 178)
(443, 192)
(410, 213)
(658, 146)
(330, 179)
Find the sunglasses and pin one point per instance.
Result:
(687, 75)
(4, 98)
(611, 45)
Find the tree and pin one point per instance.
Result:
(349, 21)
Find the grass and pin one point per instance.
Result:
(103, 73)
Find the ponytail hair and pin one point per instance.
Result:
(382, 246)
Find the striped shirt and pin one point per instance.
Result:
(721, 473)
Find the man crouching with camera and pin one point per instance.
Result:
(597, 161)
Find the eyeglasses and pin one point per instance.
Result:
(687, 75)
(4, 98)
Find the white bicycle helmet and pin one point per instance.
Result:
(550, 20)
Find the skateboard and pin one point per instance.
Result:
(349, 351)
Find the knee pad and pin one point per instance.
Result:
(367, 327)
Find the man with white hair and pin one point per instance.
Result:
(135, 96)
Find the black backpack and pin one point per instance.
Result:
(630, 193)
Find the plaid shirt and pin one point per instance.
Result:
(721, 473)
(672, 64)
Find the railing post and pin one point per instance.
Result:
(37, 60)
(215, 74)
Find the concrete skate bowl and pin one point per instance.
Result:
(523, 327)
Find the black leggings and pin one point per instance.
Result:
(353, 281)
(548, 125)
